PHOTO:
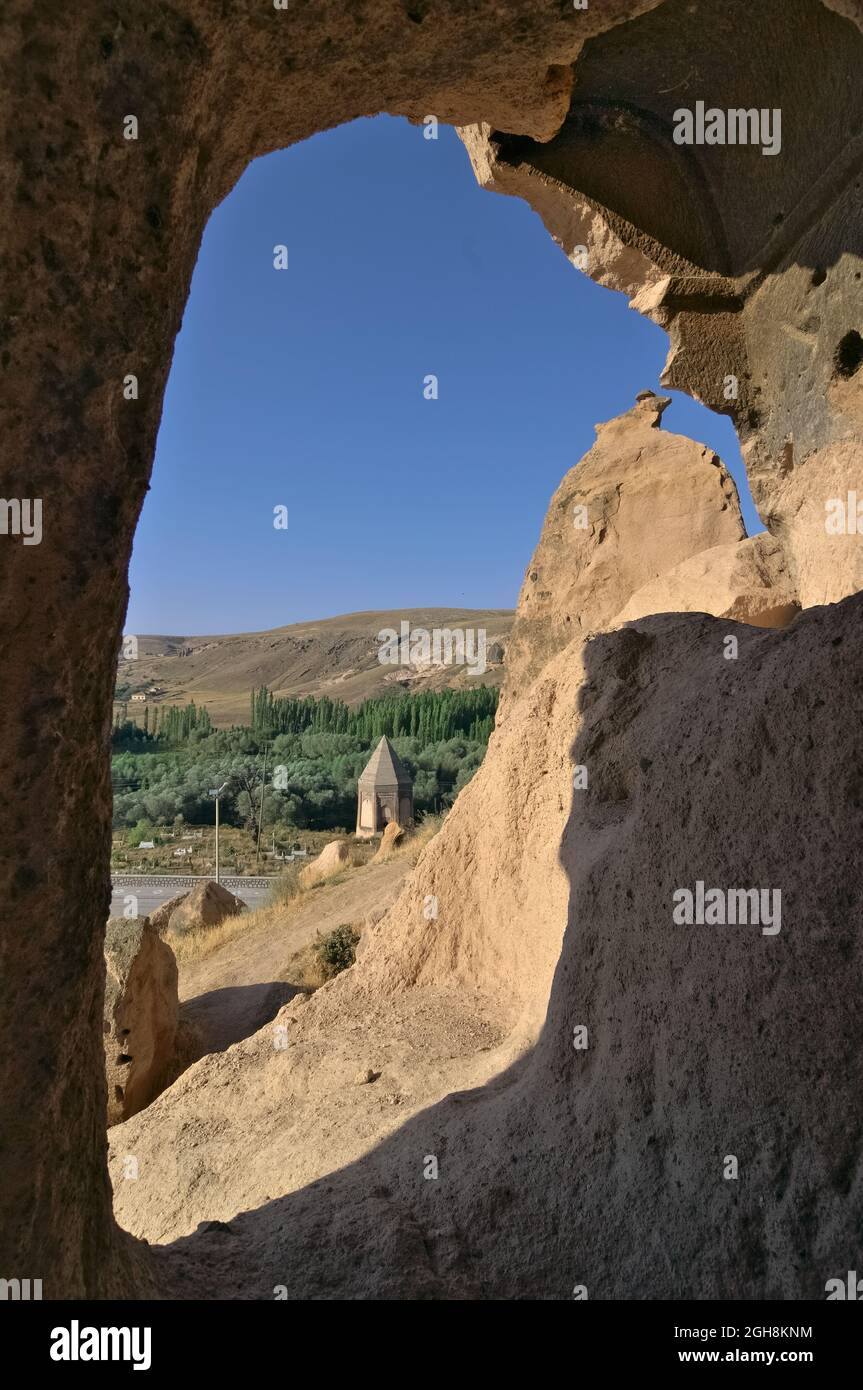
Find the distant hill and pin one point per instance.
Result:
(335, 656)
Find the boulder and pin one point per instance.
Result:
(161, 918)
(332, 859)
(390, 838)
(748, 582)
(206, 905)
(141, 1015)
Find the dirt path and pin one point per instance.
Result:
(233, 992)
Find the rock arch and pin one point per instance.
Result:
(102, 234)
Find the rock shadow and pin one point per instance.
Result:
(602, 1160)
(225, 1016)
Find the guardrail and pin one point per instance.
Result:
(181, 881)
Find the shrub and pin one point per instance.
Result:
(142, 831)
(285, 887)
(337, 950)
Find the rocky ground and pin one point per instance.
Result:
(230, 993)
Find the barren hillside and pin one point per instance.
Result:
(335, 656)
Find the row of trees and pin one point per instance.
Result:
(169, 725)
(430, 716)
(315, 786)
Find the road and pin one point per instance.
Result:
(151, 890)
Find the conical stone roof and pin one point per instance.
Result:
(385, 768)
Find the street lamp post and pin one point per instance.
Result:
(217, 792)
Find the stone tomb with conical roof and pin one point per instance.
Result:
(385, 793)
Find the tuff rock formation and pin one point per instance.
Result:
(641, 501)
(141, 1015)
(205, 905)
(753, 264)
(333, 858)
(747, 581)
(393, 833)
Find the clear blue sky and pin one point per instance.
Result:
(303, 388)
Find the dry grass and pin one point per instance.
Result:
(192, 945)
(415, 842)
(284, 890)
(305, 969)
(361, 853)
(287, 896)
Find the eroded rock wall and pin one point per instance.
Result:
(750, 261)
(746, 580)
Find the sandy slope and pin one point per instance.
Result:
(236, 989)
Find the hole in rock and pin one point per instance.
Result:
(849, 354)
